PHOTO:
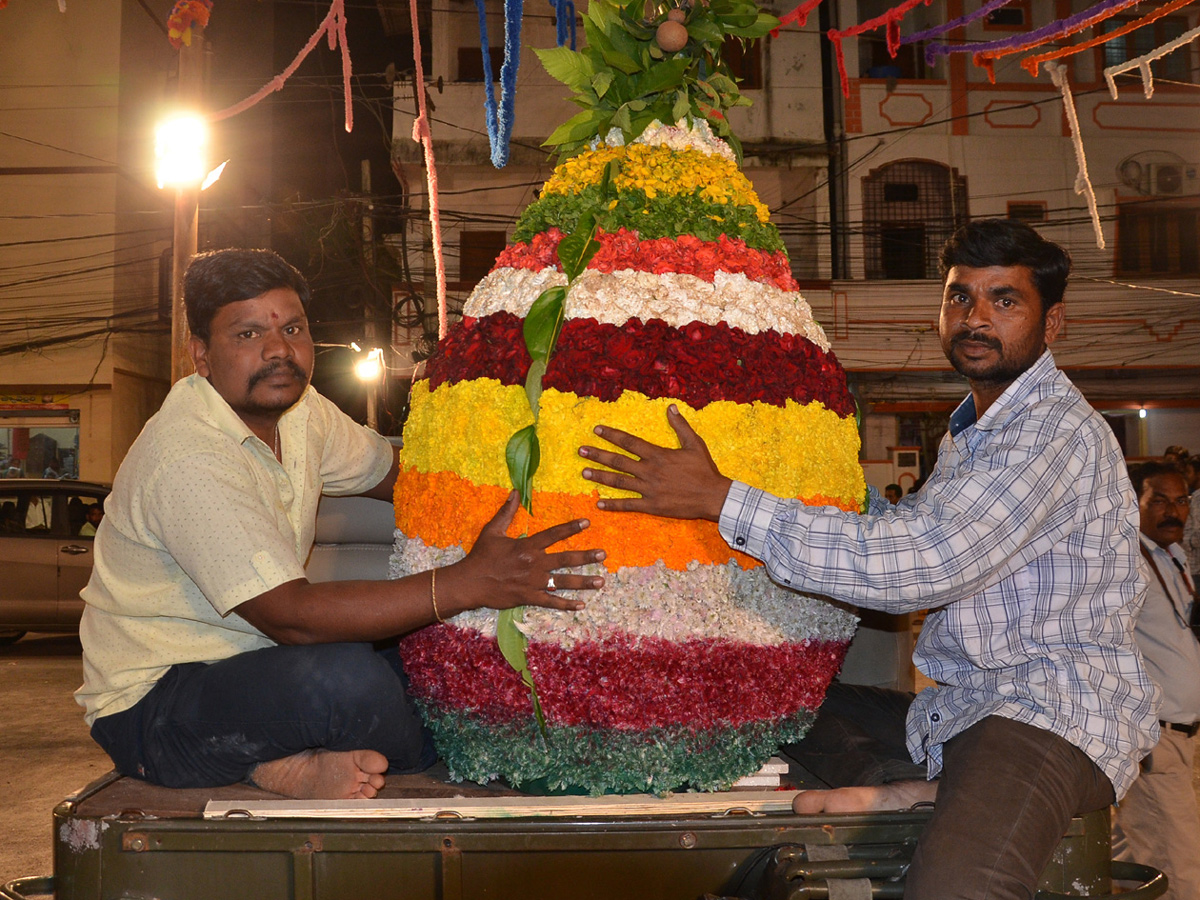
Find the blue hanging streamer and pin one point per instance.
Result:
(500, 122)
(564, 21)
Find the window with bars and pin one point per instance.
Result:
(477, 252)
(470, 63)
(1159, 238)
(910, 208)
(744, 61)
(1175, 66)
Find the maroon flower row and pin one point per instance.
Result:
(622, 682)
(696, 364)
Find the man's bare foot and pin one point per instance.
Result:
(323, 775)
(896, 795)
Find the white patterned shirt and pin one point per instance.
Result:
(201, 518)
(1023, 544)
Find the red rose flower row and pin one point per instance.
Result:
(685, 255)
(697, 364)
(623, 682)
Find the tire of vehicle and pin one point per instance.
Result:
(10, 637)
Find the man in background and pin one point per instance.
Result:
(1158, 822)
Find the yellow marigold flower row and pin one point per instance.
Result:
(659, 170)
(792, 451)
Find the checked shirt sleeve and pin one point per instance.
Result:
(982, 515)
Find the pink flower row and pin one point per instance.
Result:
(685, 255)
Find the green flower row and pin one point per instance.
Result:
(662, 216)
(594, 761)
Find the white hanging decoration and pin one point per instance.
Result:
(1083, 184)
(1143, 63)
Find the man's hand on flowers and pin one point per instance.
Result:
(502, 572)
(681, 483)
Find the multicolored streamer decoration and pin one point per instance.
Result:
(1083, 183)
(938, 30)
(421, 134)
(499, 124)
(333, 25)
(186, 14)
(985, 53)
(1143, 63)
(1030, 63)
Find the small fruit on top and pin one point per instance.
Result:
(671, 36)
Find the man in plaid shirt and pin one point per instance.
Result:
(1023, 543)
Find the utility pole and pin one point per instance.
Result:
(369, 335)
(186, 227)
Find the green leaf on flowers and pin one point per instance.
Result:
(571, 68)
(682, 107)
(543, 321)
(513, 643)
(577, 128)
(533, 385)
(523, 456)
(601, 81)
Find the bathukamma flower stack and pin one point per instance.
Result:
(690, 667)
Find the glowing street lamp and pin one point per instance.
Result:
(181, 162)
(370, 370)
(181, 151)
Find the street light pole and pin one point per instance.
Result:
(186, 233)
(186, 226)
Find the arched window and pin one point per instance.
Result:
(910, 208)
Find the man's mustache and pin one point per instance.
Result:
(1169, 522)
(268, 371)
(977, 338)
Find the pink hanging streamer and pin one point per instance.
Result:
(333, 25)
(890, 20)
(799, 16)
(420, 134)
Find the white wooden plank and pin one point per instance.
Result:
(509, 807)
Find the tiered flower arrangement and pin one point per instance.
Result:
(690, 667)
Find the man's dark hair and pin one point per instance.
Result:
(1139, 474)
(217, 278)
(1004, 242)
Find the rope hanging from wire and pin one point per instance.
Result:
(333, 26)
(1083, 183)
(1143, 63)
(420, 134)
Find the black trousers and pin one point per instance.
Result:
(206, 725)
(1006, 793)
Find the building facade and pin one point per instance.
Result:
(866, 186)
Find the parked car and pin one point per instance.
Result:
(45, 552)
(46, 549)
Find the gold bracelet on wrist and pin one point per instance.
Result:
(433, 595)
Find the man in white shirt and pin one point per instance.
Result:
(1191, 528)
(208, 656)
(1158, 822)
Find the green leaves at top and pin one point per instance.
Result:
(621, 67)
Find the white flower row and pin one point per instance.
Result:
(675, 298)
(680, 136)
(706, 601)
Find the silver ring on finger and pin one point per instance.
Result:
(550, 586)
